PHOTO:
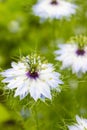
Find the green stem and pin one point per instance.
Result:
(33, 108)
(36, 118)
(54, 30)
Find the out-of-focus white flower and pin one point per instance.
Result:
(54, 9)
(73, 84)
(80, 125)
(31, 75)
(14, 26)
(74, 55)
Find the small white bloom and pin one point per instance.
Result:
(32, 76)
(54, 9)
(80, 125)
(14, 26)
(72, 56)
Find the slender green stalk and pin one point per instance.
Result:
(36, 119)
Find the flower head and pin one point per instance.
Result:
(54, 9)
(80, 125)
(74, 54)
(32, 75)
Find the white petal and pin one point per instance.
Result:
(34, 91)
(22, 90)
(73, 128)
(44, 89)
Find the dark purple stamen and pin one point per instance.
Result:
(80, 52)
(32, 75)
(54, 2)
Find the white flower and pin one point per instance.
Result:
(72, 56)
(32, 76)
(80, 125)
(14, 26)
(54, 9)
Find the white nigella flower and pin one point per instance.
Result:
(31, 75)
(80, 125)
(74, 54)
(54, 9)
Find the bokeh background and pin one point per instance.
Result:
(22, 33)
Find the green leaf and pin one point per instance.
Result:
(4, 114)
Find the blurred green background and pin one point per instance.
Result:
(22, 33)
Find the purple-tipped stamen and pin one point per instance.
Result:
(80, 52)
(32, 75)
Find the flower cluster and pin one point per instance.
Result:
(33, 75)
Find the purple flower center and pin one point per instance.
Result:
(54, 2)
(80, 52)
(32, 75)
